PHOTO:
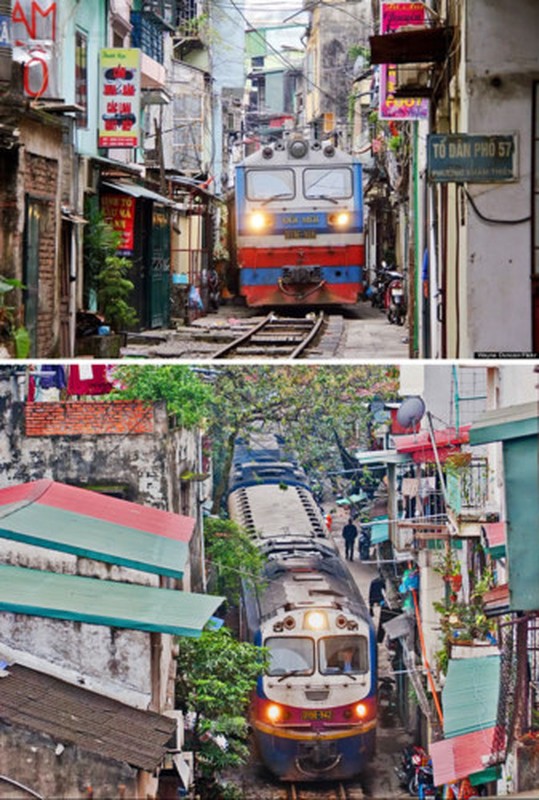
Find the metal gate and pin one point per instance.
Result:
(159, 268)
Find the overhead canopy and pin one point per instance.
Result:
(419, 445)
(470, 694)
(98, 602)
(75, 716)
(135, 190)
(85, 523)
(470, 705)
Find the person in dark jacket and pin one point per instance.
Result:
(349, 533)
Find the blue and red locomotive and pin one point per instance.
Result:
(299, 225)
(314, 712)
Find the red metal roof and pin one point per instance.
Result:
(495, 533)
(99, 506)
(460, 756)
(419, 445)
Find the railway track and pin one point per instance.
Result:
(329, 791)
(276, 337)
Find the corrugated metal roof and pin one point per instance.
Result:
(98, 602)
(72, 520)
(453, 759)
(470, 695)
(76, 716)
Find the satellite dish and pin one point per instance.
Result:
(411, 412)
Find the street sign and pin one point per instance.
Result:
(473, 158)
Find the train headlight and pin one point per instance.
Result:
(361, 710)
(258, 221)
(341, 219)
(316, 620)
(274, 712)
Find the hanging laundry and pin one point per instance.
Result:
(90, 379)
(410, 487)
(45, 382)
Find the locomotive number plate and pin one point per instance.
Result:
(304, 234)
(314, 714)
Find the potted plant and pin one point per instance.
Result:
(14, 337)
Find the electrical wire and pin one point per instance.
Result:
(492, 220)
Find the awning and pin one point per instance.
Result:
(495, 534)
(95, 724)
(470, 694)
(379, 529)
(423, 45)
(453, 759)
(99, 602)
(419, 445)
(140, 192)
(373, 458)
(85, 523)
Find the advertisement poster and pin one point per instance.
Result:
(119, 211)
(119, 108)
(393, 17)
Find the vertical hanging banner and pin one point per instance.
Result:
(119, 211)
(393, 17)
(119, 107)
(36, 46)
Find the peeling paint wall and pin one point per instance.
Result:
(145, 468)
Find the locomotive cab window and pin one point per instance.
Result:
(347, 654)
(326, 184)
(290, 655)
(265, 186)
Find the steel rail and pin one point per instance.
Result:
(273, 320)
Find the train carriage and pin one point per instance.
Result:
(299, 225)
(314, 713)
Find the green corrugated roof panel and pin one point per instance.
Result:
(118, 605)
(470, 695)
(59, 529)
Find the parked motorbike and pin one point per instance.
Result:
(396, 300)
(364, 544)
(415, 772)
(378, 289)
(387, 702)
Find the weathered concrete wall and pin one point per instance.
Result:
(102, 450)
(501, 66)
(111, 661)
(68, 773)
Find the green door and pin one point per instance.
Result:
(34, 215)
(159, 268)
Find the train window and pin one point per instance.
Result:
(327, 184)
(338, 654)
(290, 655)
(264, 185)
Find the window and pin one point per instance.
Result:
(81, 78)
(347, 654)
(290, 655)
(321, 183)
(276, 185)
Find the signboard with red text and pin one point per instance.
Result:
(119, 108)
(119, 211)
(395, 16)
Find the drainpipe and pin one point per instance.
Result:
(200, 513)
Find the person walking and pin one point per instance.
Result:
(349, 533)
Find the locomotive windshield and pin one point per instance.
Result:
(343, 654)
(327, 183)
(266, 185)
(290, 654)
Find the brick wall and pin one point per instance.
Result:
(76, 418)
